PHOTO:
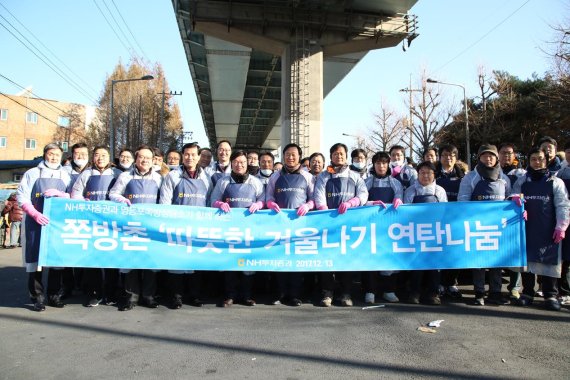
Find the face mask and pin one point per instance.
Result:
(266, 172)
(172, 167)
(80, 163)
(156, 168)
(358, 165)
(125, 166)
(393, 164)
(51, 166)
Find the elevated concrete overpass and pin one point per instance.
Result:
(262, 68)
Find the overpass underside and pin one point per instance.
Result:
(262, 68)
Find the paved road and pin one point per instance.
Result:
(277, 342)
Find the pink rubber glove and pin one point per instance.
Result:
(305, 208)
(354, 202)
(518, 199)
(255, 207)
(40, 218)
(323, 207)
(222, 206)
(377, 203)
(273, 206)
(55, 193)
(558, 236)
(397, 203)
(525, 215)
(396, 170)
(124, 200)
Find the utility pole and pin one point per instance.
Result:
(161, 131)
(410, 123)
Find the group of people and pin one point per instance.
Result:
(253, 180)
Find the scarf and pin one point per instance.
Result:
(489, 173)
(537, 175)
(239, 178)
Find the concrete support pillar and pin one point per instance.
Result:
(302, 103)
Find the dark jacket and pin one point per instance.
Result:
(14, 211)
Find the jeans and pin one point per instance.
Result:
(495, 280)
(15, 233)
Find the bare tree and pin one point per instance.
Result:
(388, 130)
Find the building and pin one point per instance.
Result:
(28, 123)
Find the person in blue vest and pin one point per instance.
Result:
(290, 188)
(564, 283)
(239, 189)
(339, 188)
(399, 168)
(448, 175)
(486, 182)
(430, 155)
(221, 167)
(382, 189)
(186, 185)
(550, 146)
(125, 160)
(93, 184)
(266, 160)
(548, 211)
(48, 179)
(358, 163)
(140, 184)
(425, 190)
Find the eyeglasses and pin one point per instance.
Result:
(447, 155)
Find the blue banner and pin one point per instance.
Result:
(418, 236)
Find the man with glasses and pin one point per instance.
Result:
(221, 167)
(509, 163)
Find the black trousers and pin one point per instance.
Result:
(238, 285)
(549, 285)
(180, 284)
(427, 280)
(289, 284)
(328, 283)
(140, 282)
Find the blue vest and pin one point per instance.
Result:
(450, 185)
(541, 222)
(141, 191)
(190, 192)
(290, 190)
(98, 186)
(426, 198)
(486, 190)
(239, 195)
(384, 194)
(339, 190)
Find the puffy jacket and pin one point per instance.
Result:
(14, 211)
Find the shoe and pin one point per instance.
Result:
(552, 303)
(539, 293)
(479, 299)
(565, 300)
(150, 302)
(55, 301)
(326, 302)
(433, 300)
(128, 305)
(524, 300)
(108, 301)
(414, 299)
(196, 302)
(453, 292)
(346, 301)
(497, 299)
(227, 302)
(92, 302)
(390, 297)
(39, 304)
(176, 303)
(249, 302)
(278, 301)
(369, 298)
(295, 302)
(514, 294)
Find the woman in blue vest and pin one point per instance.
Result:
(340, 188)
(425, 190)
(290, 188)
(400, 170)
(239, 189)
(548, 208)
(94, 184)
(186, 185)
(382, 189)
(140, 184)
(46, 180)
(486, 182)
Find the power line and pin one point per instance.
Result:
(114, 31)
(482, 37)
(129, 29)
(28, 108)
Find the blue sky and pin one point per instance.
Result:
(456, 38)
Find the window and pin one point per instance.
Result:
(65, 146)
(63, 121)
(2, 142)
(31, 117)
(30, 144)
(17, 177)
(3, 114)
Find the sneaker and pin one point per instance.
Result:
(390, 297)
(515, 294)
(55, 301)
(295, 302)
(39, 304)
(249, 302)
(92, 302)
(479, 299)
(346, 301)
(326, 302)
(552, 303)
(524, 300)
(150, 302)
(565, 300)
(109, 301)
(453, 292)
(414, 299)
(369, 298)
(497, 299)
(433, 300)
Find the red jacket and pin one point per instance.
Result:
(13, 209)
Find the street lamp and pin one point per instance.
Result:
(468, 147)
(111, 129)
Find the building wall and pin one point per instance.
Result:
(16, 129)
